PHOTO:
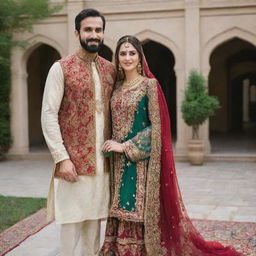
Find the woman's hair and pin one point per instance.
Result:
(135, 43)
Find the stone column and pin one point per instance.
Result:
(246, 87)
(205, 128)
(192, 61)
(73, 8)
(19, 104)
(182, 128)
(192, 35)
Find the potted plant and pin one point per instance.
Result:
(197, 107)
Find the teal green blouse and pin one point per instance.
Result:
(140, 137)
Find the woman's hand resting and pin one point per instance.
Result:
(111, 145)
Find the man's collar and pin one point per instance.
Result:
(86, 56)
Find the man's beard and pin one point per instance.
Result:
(93, 48)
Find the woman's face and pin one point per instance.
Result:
(128, 57)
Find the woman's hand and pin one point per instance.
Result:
(111, 145)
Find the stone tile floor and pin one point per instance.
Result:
(216, 190)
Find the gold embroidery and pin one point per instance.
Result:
(128, 84)
(137, 214)
(123, 115)
(132, 152)
(123, 238)
(77, 111)
(152, 208)
(124, 104)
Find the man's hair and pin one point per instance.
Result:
(88, 13)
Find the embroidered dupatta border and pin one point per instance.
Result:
(152, 207)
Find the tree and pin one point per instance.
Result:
(197, 105)
(15, 16)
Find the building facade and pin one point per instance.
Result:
(215, 37)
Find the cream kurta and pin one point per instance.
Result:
(88, 198)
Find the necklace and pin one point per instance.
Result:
(128, 84)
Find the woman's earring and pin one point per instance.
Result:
(139, 68)
(121, 71)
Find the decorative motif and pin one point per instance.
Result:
(127, 84)
(139, 68)
(123, 117)
(139, 147)
(152, 208)
(136, 214)
(121, 71)
(124, 104)
(16, 234)
(77, 110)
(123, 238)
(127, 44)
(240, 235)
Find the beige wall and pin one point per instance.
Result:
(191, 29)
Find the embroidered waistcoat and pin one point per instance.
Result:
(77, 110)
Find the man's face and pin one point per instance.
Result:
(91, 34)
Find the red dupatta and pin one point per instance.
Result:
(177, 235)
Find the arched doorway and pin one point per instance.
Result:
(106, 53)
(161, 63)
(232, 79)
(38, 65)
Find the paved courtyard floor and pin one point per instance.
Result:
(216, 190)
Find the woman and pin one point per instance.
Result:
(147, 215)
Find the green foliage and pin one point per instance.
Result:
(15, 16)
(20, 15)
(197, 105)
(5, 137)
(14, 209)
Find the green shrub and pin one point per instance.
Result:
(197, 105)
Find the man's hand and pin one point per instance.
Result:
(68, 171)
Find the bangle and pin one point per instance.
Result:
(123, 147)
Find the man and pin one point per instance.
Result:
(75, 123)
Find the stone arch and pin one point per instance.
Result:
(37, 68)
(161, 62)
(36, 41)
(19, 90)
(221, 38)
(147, 34)
(173, 100)
(33, 43)
(231, 73)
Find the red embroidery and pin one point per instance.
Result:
(77, 110)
